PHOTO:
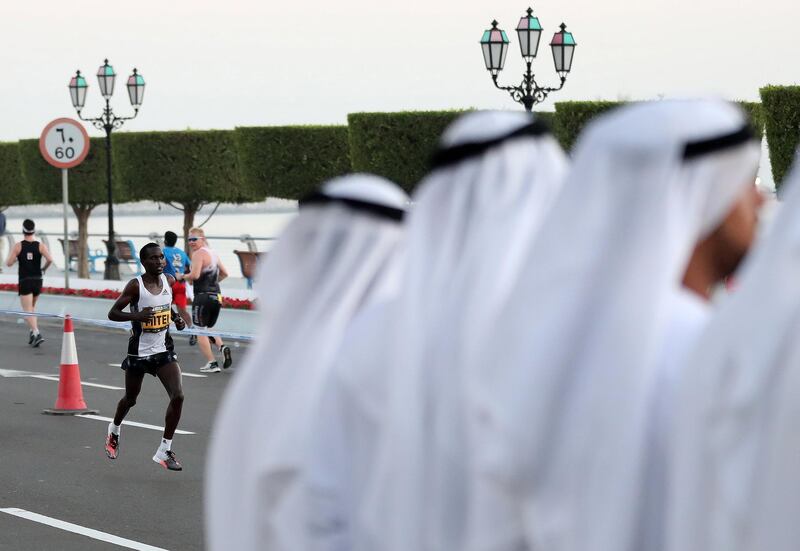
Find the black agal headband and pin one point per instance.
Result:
(458, 153)
(319, 198)
(710, 145)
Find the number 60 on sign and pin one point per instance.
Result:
(64, 143)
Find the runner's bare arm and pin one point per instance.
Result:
(129, 294)
(46, 254)
(223, 271)
(12, 254)
(198, 262)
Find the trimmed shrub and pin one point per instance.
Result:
(291, 161)
(13, 190)
(87, 181)
(397, 146)
(572, 116)
(781, 109)
(87, 187)
(186, 170)
(179, 166)
(756, 114)
(549, 117)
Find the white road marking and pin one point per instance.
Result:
(115, 365)
(14, 373)
(95, 385)
(33, 375)
(131, 423)
(77, 529)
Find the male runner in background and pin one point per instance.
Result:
(207, 272)
(178, 263)
(150, 350)
(29, 253)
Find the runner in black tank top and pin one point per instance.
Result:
(206, 273)
(28, 253)
(30, 263)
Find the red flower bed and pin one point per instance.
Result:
(227, 302)
(238, 303)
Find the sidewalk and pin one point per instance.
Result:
(230, 320)
(233, 287)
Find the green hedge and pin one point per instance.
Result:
(12, 188)
(549, 117)
(291, 161)
(572, 116)
(397, 146)
(781, 108)
(251, 163)
(180, 167)
(756, 114)
(87, 181)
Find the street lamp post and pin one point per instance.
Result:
(108, 122)
(495, 47)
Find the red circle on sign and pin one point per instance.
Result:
(55, 162)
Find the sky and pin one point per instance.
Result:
(252, 63)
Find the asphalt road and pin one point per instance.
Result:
(56, 466)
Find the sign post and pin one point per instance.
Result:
(64, 144)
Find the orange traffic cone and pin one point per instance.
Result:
(70, 394)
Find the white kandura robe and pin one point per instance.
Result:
(688, 317)
(330, 262)
(346, 430)
(736, 476)
(467, 236)
(560, 403)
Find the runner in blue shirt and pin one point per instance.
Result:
(178, 263)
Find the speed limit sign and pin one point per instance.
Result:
(64, 143)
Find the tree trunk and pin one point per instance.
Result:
(82, 212)
(189, 210)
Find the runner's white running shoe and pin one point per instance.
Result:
(168, 460)
(210, 367)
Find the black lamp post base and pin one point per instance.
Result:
(112, 268)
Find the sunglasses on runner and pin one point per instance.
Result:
(193, 239)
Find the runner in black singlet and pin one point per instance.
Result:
(28, 253)
(206, 273)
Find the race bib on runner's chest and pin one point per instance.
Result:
(159, 321)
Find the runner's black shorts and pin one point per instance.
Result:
(205, 309)
(148, 364)
(30, 287)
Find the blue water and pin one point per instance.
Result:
(222, 224)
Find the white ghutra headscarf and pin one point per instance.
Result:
(737, 454)
(328, 264)
(561, 408)
(494, 178)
